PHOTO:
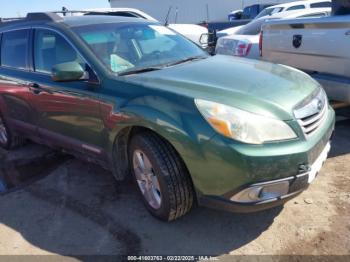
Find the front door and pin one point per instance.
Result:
(68, 112)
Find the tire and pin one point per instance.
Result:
(8, 139)
(174, 187)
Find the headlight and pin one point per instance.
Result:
(242, 125)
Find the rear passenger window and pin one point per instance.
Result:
(321, 4)
(14, 49)
(296, 7)
(51, 49)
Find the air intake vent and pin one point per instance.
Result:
(311, 116)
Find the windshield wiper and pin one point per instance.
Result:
(140, 70)
(154, 68)
(192, 58)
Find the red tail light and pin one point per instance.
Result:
(242, 48)
(260, 42)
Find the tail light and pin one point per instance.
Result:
(242, 48)
(229, 46)
(260, 42)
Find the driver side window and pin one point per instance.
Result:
(50, 49)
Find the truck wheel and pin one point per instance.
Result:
(8, 139)
(161, 177)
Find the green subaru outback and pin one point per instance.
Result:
(143, 101)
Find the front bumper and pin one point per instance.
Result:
(224, 204)
(296, 184)
(238, 167)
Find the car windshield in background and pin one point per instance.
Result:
(269, 11)
(252, 28)
(138, 47)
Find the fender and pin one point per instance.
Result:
(177, 127)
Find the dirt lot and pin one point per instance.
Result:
(69, 207)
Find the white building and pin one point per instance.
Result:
(190, 11)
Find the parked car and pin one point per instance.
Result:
(230, 31)
(121, 11)
(318, 46)
(143, 101)
(191, 31)
(250, 12)
(245, 40)
(296, 5)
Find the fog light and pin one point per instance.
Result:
(262, 192)
(274, 190)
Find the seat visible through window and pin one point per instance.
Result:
(51, 49)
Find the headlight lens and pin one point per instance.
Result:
(242, 125)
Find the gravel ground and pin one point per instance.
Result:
(68, 207)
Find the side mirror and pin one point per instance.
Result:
(70, 71)
(204, 39)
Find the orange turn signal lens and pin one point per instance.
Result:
(221, 126)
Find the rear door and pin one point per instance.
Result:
(15, 85)
(68, 112)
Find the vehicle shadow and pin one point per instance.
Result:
(341, 141)
(77, 208)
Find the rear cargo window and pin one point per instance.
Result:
(14, 49)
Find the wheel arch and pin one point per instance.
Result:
(180, 126)
(120, 159)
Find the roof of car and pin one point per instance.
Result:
(70, 21)
(289, 4)
(73, 21)
(297, 13)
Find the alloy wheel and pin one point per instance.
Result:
(147, 179)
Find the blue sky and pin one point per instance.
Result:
(14, 8)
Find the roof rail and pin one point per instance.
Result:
(51, 17)
(10, 19)
(65, 12)
(44, 16)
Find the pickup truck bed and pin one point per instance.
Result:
(318, 46)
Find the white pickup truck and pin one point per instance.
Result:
(318, 46)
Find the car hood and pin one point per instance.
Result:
(255, 86)
(192, 32)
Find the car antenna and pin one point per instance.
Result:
(207, 6)
(167, 16)
(176, 13)
(64, 10)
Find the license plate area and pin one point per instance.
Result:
(317, 165)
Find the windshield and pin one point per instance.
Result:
(126, 47)
(269, 11)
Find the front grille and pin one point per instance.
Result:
(312, 115)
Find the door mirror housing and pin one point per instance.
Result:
(70, 71)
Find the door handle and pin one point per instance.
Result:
(35, 88)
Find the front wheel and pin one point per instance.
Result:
(161, 177)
